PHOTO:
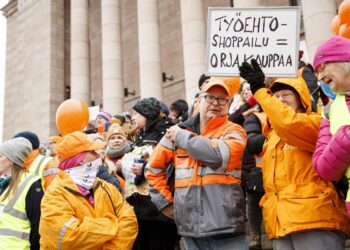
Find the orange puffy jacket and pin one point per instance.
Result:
(296, 198)
(70, 221)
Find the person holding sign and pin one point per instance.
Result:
(300, 209)
(206, 150)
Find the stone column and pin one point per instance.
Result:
(149, 49)
(246, 3)
(112, 74)
(80, 58)
(194, 44)
(317, 22)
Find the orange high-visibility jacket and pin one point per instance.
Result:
(208, 196)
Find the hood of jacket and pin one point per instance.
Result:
(300, 86)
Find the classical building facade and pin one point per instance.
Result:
(113, 52)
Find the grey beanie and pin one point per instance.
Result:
(16, 150)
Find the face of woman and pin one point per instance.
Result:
(336, 76)
(138, 120)
(116, 141)
(5, 165)
(290, 98)
(246, 92)
(90, 156)
(100, 121)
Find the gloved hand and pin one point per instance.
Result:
(253, 74)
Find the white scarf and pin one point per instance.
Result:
(85, 175)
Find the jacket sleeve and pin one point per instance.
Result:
(237, 116)
(156, 173)
(224, 152)
(33, 200)
(127, 222)
(332, 154)
(59, 228)
(110, 178)
(256, 138)
(297, 129)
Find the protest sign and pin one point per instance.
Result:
(93, 111)
(269, 35)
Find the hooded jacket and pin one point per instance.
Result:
(70, 221)
(296, 198)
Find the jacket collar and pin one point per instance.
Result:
(29, 160)
(192, 124)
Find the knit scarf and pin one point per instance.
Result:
(117, 153)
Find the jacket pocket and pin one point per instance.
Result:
(318, 208)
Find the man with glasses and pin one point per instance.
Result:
(208, 203)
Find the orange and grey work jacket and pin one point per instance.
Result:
(208, 198)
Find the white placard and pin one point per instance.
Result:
(93, 111)
(269, 35)
(127, 164)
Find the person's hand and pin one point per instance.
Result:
(119, 166)
(253, 74)
(169, 211)
(171, 132)
(249, 112)
(137, 168)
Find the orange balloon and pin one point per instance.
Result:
(344, 30)
(335, 25)
(72, 115)
(344, 12)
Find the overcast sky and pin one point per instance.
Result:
(2, 63)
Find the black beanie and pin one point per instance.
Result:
(148, 107)
(180, 106)
(30, 136)
(202, 79)
(281, 86)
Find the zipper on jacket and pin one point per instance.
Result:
(75, 192)
(82, 195)
(99, 184)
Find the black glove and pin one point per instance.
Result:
(253, 75)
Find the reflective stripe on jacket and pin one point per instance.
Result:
(208, 197)
(70, 221)
(14, 223)
(296, 198)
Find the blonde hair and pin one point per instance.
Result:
(16, 174)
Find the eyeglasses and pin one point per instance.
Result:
(321, 74)
(285, 96)
(220, 100)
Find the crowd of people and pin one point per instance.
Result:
(204, 174)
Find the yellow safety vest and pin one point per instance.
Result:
(14, 223)
(338, 115)
(38, 168)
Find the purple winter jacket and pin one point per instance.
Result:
(332, 154)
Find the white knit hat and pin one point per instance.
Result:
(16, 150)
